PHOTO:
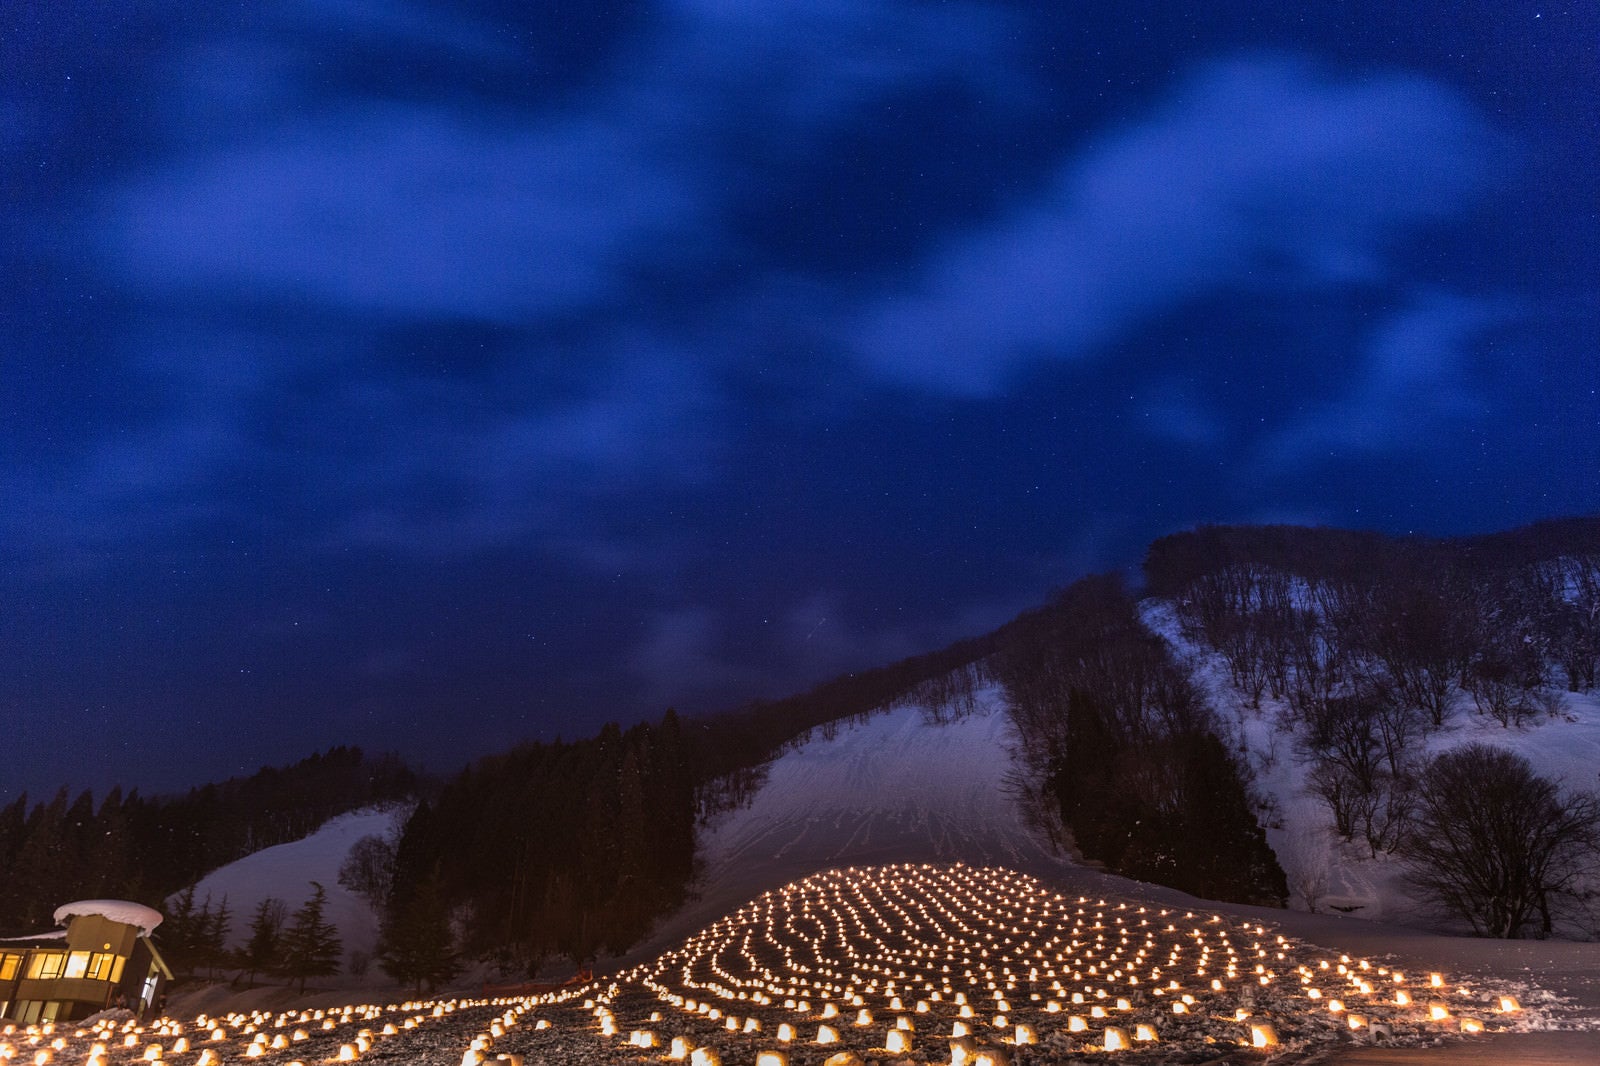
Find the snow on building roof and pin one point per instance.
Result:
(54, 934)
(143, 918)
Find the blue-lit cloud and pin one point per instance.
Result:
(1415, 377)
(1257, 173)
(420, 211)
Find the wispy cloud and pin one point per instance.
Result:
(1259, 172)
(1415, 379)
(419, 211)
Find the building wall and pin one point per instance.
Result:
(68, 979)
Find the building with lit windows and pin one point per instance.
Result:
(101, 958)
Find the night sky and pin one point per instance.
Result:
(434, 375)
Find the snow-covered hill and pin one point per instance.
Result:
(898, 787)
(287, 871)
(1326, 873)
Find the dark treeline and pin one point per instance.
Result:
(552, 849)
(128, 846)
(1119, 739)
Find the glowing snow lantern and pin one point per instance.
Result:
(1145, 1033)
(1116, 1039)
(347, 1053)
(1471, 1025)
(772, 1058)
(704, 1056)
(827, 1034)
(1356, 1021)
(785, 1032)
(1438, 1011)
(1509, 1004)
(1076, 1024)
(680, 1049)
(898, 1041)
(1263, 1035)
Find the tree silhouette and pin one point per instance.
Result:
(416, 946)
(311, 946)
(1495, 843)
(263, 952)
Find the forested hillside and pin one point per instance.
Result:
(130, 847)
(1391, 670)
(1117, 736)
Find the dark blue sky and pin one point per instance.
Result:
(434, 375)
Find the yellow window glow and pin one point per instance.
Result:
(46, 965)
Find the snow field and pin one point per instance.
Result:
(286, 871)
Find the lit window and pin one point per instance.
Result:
(116, 969)
(8, 966)
(77, 964)
(46, 965)
(100, 966)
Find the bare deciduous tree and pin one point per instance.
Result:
(1495, 843)
(368, 869)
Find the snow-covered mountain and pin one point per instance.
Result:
(287, 871)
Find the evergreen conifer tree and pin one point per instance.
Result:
(417, 946)
(214, 935)
(263, 952)
(311, 945)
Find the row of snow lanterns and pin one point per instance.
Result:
(104, 1035)
(828, 892)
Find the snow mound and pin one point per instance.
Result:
(117, 910)
(286, 872)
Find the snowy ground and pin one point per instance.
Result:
(901, 964)
(286, 872)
